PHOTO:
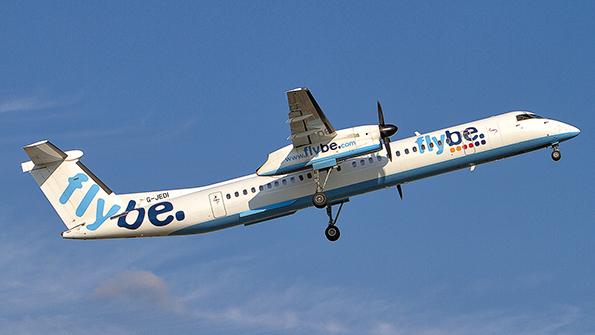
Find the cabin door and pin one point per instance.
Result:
(217, 205)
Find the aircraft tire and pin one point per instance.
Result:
(332, 233)
(319, 200)
(556, 155)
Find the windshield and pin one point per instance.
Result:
(528, 116)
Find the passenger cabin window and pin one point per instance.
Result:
(260, 188)
(398, 153)
(284, 181)
(379, 158)
(423, 147)
(237, 194)
(292, 179)
(370, 160)
(269, 186)
(276, 183)
(309, 175)
(301, 177)
(407, 151)
(431, 144)
(354, 163)
(228, 196)
(414, 149)
(245, 192)
(338, 168)
(362, 162)
(253, 190)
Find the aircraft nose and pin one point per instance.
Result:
(571, 130)
(568, 131)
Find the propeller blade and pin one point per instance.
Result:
(389, 153)
(380, 114)
(386, 131)
(400, 191)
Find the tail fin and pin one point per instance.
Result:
(77, 195)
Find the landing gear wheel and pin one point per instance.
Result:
(332, 233)
(319, 200)
(556, 155)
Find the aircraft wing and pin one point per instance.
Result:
(307, 122)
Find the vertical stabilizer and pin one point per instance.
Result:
(77, 195)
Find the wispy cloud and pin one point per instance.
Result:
(137, 287)
(82, 284)
(134, 131)
(270, 319)
(33, 103)
(303, 309)
(58, 324)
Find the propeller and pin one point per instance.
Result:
(386, 131)
(400, 191)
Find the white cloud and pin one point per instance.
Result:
(57, 324)
(335, 327)
(33, 103)
(303, 309)
(137, 288)
(52, 285)
(383, 328)
(270, 319)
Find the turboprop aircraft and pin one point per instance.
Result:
(322, 167)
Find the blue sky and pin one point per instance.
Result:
(163, 95)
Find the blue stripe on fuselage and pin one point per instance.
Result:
(378, 183)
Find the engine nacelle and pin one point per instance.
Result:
(347, 143)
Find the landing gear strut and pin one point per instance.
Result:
(556, 155)
(332, 232)
(319, 199)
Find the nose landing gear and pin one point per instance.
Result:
(556, 155)
(332, 233)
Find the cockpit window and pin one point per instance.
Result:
(528, 116)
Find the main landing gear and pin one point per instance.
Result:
(332, 232)
(556, 155)
(319, 198)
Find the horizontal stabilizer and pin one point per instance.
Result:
(42, 153)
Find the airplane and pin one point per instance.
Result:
(322, 167)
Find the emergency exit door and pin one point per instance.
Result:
(217, 205)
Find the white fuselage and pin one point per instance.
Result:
(255, 198)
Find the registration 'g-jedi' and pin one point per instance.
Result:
(322, 167)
